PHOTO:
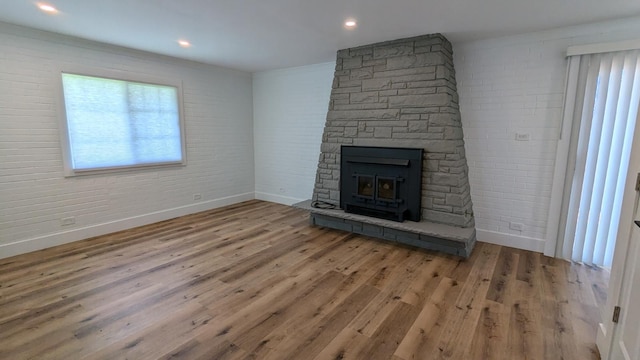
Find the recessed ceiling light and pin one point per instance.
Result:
(184, 43)
(48, 8)
(350, 24)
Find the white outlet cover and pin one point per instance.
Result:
(516, 226)
(68, 221)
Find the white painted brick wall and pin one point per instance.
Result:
(506, 85)
(290, 109)
(516, 85)
(33, 192)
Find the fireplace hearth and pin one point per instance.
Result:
(381, 182)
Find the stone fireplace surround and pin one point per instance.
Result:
(400, 93)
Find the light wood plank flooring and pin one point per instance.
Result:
(255, 281)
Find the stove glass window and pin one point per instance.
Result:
(365, 186)
(386, 189)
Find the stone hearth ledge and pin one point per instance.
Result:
(424, 234)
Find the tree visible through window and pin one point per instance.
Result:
(115, 124)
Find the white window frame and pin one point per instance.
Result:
(67, 161)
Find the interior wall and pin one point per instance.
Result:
(506, 86)
(35, 195)
(290, 109)
(509, 86)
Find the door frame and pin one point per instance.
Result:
(607, 328)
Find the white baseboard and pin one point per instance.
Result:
(516, 241)
(63, 237)
(285, 200)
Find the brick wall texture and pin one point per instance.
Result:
(400, 93)
(35, 195)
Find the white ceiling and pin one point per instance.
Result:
(256, 35)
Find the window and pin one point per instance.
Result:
(114, 124)
(609, 88)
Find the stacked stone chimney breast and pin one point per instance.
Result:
(401, 93)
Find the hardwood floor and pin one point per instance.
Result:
(255, 281)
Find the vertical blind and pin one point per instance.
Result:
(115, 123)
(610, 93)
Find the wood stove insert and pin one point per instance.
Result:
(381, 182)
